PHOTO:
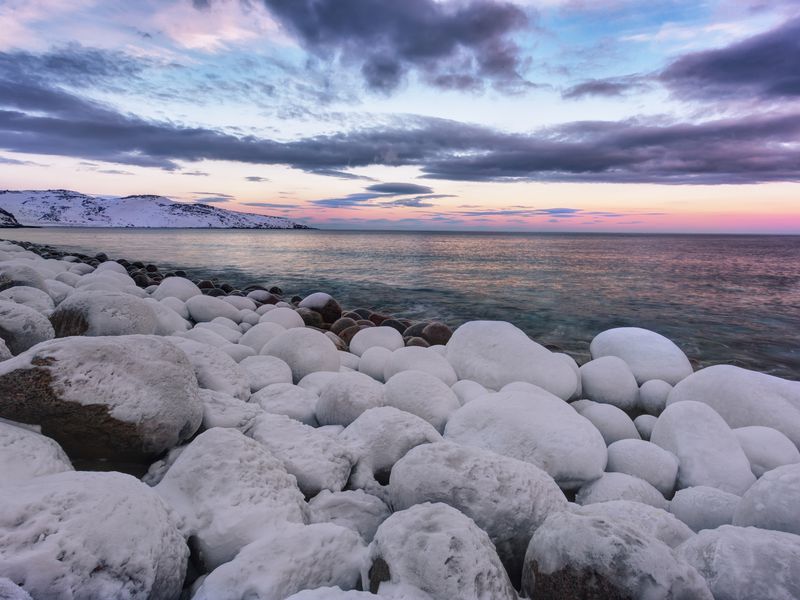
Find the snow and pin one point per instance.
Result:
(289, 558)
(347, 396)
(611, 422)
(103, 313)
(333, 593)
(304, 350)
(285, 317)
(168, 322)
(354, 509)
(258, 335)
(223, 410)
(467, 390)
(651, 521)
(65, 208)
(373, 362)
(422, 394)
(288, 399)
(745, 398)
(535, 427)
(706, 448)
(605, 556)
(384, 337)
(214, 369)
(439, 550)
(265, 370)
(620, 486)
(609, 380)
(69, 535)
(31, 297)
(25, 454)
(22, 327)
(228, 491)
(649, 354)
(766, 448)
(8, 589)
(746, 563)
(704, 507)
(176, 287)
(773, 502)
(646, 461)
(495, 353)
(414, 358)
(318, 461)
(207, 308)
(653, 396)
(13, 273)
(507, 498)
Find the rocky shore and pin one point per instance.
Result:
(164, 438)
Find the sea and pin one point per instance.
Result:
(732, 299)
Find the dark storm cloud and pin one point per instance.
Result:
(453, 45)
(610, 87)
(764, 66)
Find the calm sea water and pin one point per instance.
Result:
(723, 299)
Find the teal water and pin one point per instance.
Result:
(723, 299)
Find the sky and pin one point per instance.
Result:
(528, 115)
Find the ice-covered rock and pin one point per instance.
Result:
(336, 593)
(495, 353)
(373, 362)
(285, 317)
(569, 361)
(384, 337)
(290, 400)
(744, 563)
(620, 486)
(507, 498)
(612, 423)
(207, 308)
(467, 390)
(5, 353)
(214, 369)
(168, 322)
(766, 448)
(535, 427)
(240, 303)
(318, 461)
(649, 354)
(745, 398)
(439, 550)
(258, 335)
(378, 439)
(414, 358)
(57, 290)
(31, 297)
(354, 509)
(653, 522)
(703, 507)
(228, 491)
(324, 304)
(90, 535)
(644, 425)
(176, 287)
(422, 394)
(773, 502)
(317, 381)
(121, 397)
(265, 370)
(204, 336)
(349, 360)
(304, 350)
(653, 396)
(609, 380)
(103, 313)
(231, 334)
(598, 556)
(179, 306)
(25, 454)
(14, 273)
(22, 327)
(646, 461)
(347, 396)
(289, 558)
(706, 448)
(11, 591)
(223, 410)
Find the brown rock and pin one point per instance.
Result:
(436, 333)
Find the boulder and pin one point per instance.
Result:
(31, 297)
(373, 362)
(13, 274)
(176, 287)
(609, 380)
(704, 507)
(773, 502)
(766, 448)
(653, 522)
(304, 350)
(644, 425)
(288, 318)
(263, 371)
(207, 308)
(324, 304)
(620, 486)
(103, 313)
(419, 359)
(290, 400)
(223, 410)
(8, 589)
(214, 369)
(422, 394)
(168, 321)
(346, 396)
(25, 454)
(467, 390)
(612, 423)
(646, 461)
(258, 335)
(653, 396)
(22, 327)
(436, 333)
(354, 509)
(384, 337)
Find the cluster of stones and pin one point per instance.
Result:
(233, 445)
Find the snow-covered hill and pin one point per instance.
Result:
(64, 208)
(7, 219)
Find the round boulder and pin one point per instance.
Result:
(98, 313)
(22, 327)
(304, 350)
(609, 380)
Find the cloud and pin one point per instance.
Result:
(270, 205)
(337, 174)
(212, 199)
(387, 194)
(763, 66)
(451, 44)
(609, 87)
(256, 179)
(399, 188)
(195, 173)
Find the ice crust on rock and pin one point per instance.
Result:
(285, 317)
(354, 509)
(620, 486)
(383, 337)
(305, 351)
(609, 380)
(214, 369)
(288, 399)
(22, 327)
(11, 591)
(535, 427)
(259, 334)
(25, 454)
(773, 502)
(646, 461)
(168, 321)
(263, 371)
(653, 522)
(223, 410)
(703, 507)
(414, 358)
(207, 308)
(373, 362)
(653, 396)
(176, 287)
(644, 425)
(347, 396)
(467, 390)
(31, 297)
(612, 423)
(495, 353)
(766, 448)
(422, 394)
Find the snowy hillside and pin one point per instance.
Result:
(71, 209)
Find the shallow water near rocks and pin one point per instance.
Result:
(723, 299)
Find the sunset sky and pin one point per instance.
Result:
(551, 115)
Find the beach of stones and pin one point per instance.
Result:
(163, 438)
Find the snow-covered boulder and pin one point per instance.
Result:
(644, 425)
(649, 354)
(168, 322)
(318, 461)
(535, 427)
(384, 337)
(703, 507)
(653, 396)
(743, 563)
(373, 362)
(214, 369)
(349, 360)
(439, 550)
(604, 556)
(495, 353)
(31, 297)
(745, 398)
(223, 410)
(336, 593)
(609, 380)
(422, 394)
(13, 273)
(773, 502)
(288, 318)
(620, 486)
(25, 454)
(69, 535)
(507, 498)
(378, 439)
(415, 358)
(304, 350)
(204, 336)
(467, 390)
(258, 335)
(766, 448)
(346, 397)
(646, 461)
(64, 385)
(207, 308)
(355, 509)
(231, 334)
(290, 400)
(57, 290)
(317, 381)
(103, 313)
(706, 448)
(653, 522)
(612, 423)
(22, 327)
(228, 490)
(265, 370)
(176, 287)
(324, 304)
(11, 591)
